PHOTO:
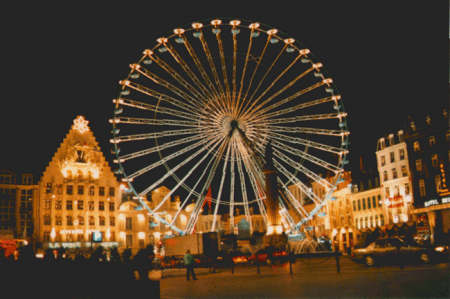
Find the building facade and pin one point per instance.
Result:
(427, 138)
(394, 171)
(78, 196)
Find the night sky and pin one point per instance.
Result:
(60, 59)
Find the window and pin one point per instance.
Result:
(80, 220)
(129, 223)
(111, 206)
(141, 243)
(69, 205)
(374, 202)
(413, 126)
(368, 203)
(80, 205)
(112, 221)
(354, 206)
(59, 189)
(361, 223)
(359, 204)
(102, 221)
(402, 154)
(416, 146)
(434, 160)
(361, 186)
(47, 220)
(385, 176)
(394, 173)
(437, 181)
(47, 236)
(379, 201)
(91, 190)
(91, 205)
(69, 189)
(381, 219)
(432, 140)
(404, 172)
(370, 184)
(376, 220)
(113, 237)
(58, 220)
(129, 241)
(372, 224)
(401, 137)
(388, 194)
(91, 220)
(422, 188)
(367, 221)
(48, 188)
(80, 189)
(101, 191)
(364, 203)
(376, 183)
(112, 191)
(419, 165)
(396, 191)
(406, 189)
(392, 157)
(357, 223)
(383, 161)
(80, 237)
(101, 205)
(69, 221)
(46, 204)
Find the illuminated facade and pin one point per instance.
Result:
(138, 228)
(394, 172)
(78, 195)
(16, 206)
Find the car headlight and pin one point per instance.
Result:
(441, 248)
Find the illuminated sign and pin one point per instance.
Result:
(97, 237)
(79, 244)
(446, 199)
(432, 202)
(396, 202)
(80, 124)
(76, 231)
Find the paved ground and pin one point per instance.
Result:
(316, 278)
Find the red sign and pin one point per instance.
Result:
(396, 202)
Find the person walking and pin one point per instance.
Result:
(189, 262)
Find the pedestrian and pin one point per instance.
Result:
(189, 262)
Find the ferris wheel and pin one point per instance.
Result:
(199, 108)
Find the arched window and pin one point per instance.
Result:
(372, 224)
(354, 206)
(432, 140)
(416, 146)
(368, 203)
(364, 203)
(374, 202)
(361, 224)
(359, 204)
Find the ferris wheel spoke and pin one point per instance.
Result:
(297, 182)
(272, 84)
(160, 96)
(166, 159)
(177, 77)
(222, 181)
(167, 85)
(243, 190)
(308, 131)
(232, 185)
(287, 217)
(305, 118)
(303, 169)
(144, 136)
(159, 109)
(288, 99)
(159, 148)
(224, 69)
(201, 199)
(306, 143)
(174, 169)
(190, 172)
(299, 106)
(292, 200)
(243, 74)
(158, 122)
(306, 156)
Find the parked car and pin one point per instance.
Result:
(391, 249)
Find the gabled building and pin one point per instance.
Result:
(78, 196)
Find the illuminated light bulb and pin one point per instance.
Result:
(122, 187)
(272, 32)
(197, 25)
(108, 199)
(162, 40)
(253, 26)
(216, 22)
(235, 23)
(148, 52)
(329, 80)
(178, 31)
(108, 233)
(53, 196)
(317, 65)
(141, 217)
(304, 51)
(80, 124)
(289, 41)
(53, 233)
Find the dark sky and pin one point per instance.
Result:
(59, 59)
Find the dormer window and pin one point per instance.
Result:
(416, 146)
(391, 139)
(382, 143)
(432, 140)
(401, 137)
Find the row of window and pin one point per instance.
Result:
(79, 220)
(395, 173)
(431, 140)
(367, 203)
(71, 238)
(79, 204)
(397, 191)
(434, 162)
(392, 156)
(80, 190)
(369, 221)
